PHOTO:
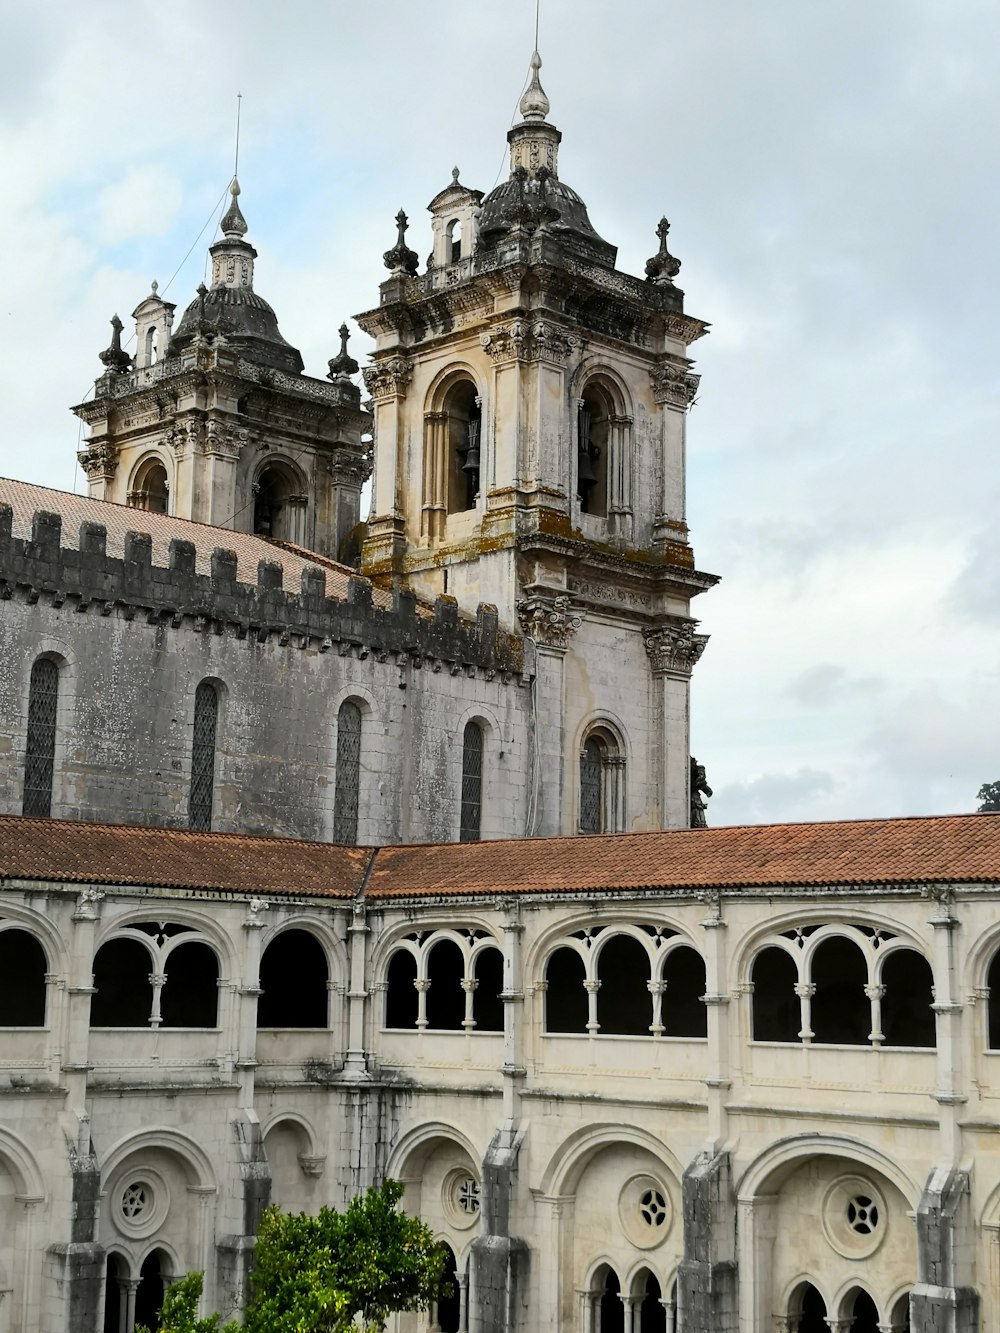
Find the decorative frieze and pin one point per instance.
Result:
(551, 620)
(673, 647)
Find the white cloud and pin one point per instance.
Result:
(145, 202)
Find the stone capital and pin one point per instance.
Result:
(673, 384)
(550, 619)
(389, 378)
(673, 646)
(528, 340)
(100, 462)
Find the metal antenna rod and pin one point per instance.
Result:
(538, 5)
(236, 164)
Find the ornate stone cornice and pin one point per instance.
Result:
(549, 618)
(673, 647)
(226, 440)
(389, 378)
(673, 384)
(685, 328)
(100, 462)
(529, 340)
(349, 469)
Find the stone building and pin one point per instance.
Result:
(685, 1080)
(717, 1079)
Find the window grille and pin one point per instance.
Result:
(345, 799)
(39, 758)
(472, 783)
(206, 713)
(590, 787)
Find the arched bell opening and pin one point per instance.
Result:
(279, 504)
(593, 449)
(464, 427)
(150, 488)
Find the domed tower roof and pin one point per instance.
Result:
(231, 308)
(533, 194)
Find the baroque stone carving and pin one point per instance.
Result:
(673, 647)
(663, 267)
(674, 385)
(226, 441)
(350, 469)
(699, 791)
(99, 462)
(528, 340)
(389, 378)
(549, 620)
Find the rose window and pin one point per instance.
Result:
(136, 1199)
(653, 1208)
(862, 1214)
(468, 1195)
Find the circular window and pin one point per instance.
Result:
(644, 1211)
(460, 1197)
(855, 1218)
(139, 1202)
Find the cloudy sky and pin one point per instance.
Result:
(831, 172)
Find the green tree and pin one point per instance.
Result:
(989, 798)
(179, 1313)
(316, 1274)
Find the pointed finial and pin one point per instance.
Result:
(454, 175)
(663, 267)
(154, 287)
(115, 358)
(401, 258)
(343, 363)
(234, 223)
(534, 104)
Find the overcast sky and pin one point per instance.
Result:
(830, 169)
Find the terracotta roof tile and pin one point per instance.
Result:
(75, 852)
(888, 851)
(25, 500)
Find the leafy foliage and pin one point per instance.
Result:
(179, 1313)
(315, 1274)
(989, 798)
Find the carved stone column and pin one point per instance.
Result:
(674, 388)
(387, 381)
(673, 649)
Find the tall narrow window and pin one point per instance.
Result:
(206, 714)
(39, 758)
(590, 787)
(472, 783)
(345, 799)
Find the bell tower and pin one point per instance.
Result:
(531, 408)
(215, 421)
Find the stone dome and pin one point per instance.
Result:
(573, 226)
(246, 321)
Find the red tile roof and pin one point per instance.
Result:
(938, 849)
(879, 851)
(25, 500)
(75, 852)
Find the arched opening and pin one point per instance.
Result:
(348, 781)
(22, 980)
(863, 1313)
(907, 1016)
(190, 996)
(809, 1308)
(293, 981)
(652, 1312)
(472, 783)
(841, 1011)
(279, 505)
(402, 1003)
(899, 1319)
(464, 426)
(567, 1007)
(115, 1275)
(454, 230)
(624, 1004)
(602, 784)
(776, 1011)
(487, 1006)
(611, 1308)
(993, 1002)
(206, 718)
(151, 345)
(449, 1306)
(150, 488)
(593, 449)
(684, 1012)
(123, 992)
(40, 746)
(153, 1278)
(445, 996)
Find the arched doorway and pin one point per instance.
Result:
(153, 1278)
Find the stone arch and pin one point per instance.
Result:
(190, 1153)
(279, 491)
(433, 928)
(23, 1166)
(560, 932)
(452, 460)
(601, 788)
(566, 1165)
(294, 978)
(149, 483)
(16, 917)
(416, 1144)
(296, 1161)
(784, 1155)
(845, 1295)
(447, 378)
(771, 928)
(207, 927)
(303, 1125)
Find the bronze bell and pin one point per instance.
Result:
(471, 463)
(586, 476)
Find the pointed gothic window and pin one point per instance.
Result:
(345, 800)
(206, 716)
(39, 758)
(472, 784)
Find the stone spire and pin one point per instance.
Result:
(534, 143)
(233, 256)
(534, 105)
